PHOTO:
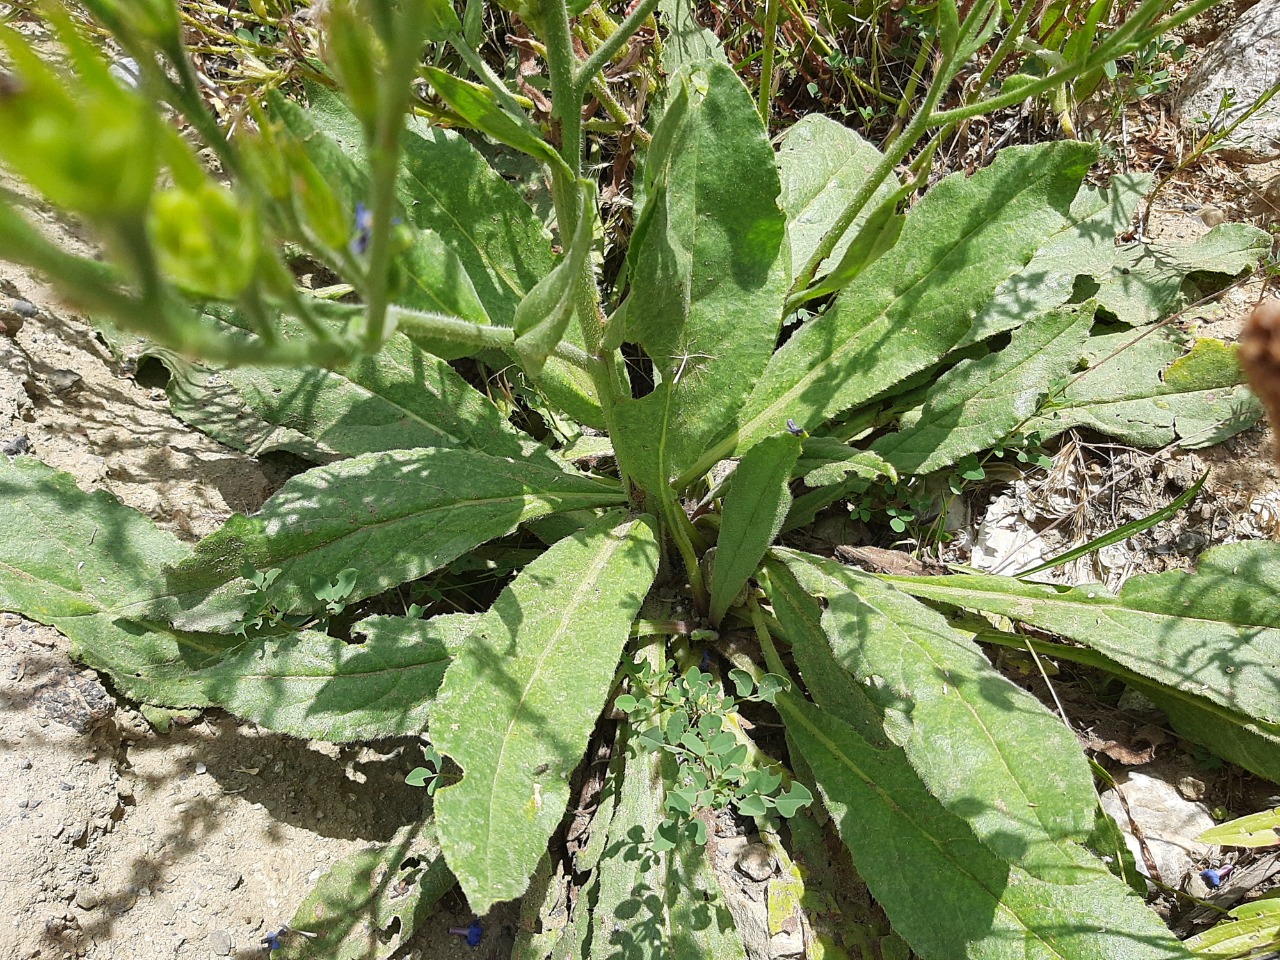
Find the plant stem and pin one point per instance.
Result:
(596, 62)
(766, 66)
(395, 92)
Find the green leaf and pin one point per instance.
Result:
(370, 904)
(400, 398)
(1141, 283)
(393, 516)
(520, 701)
(433, 279)
(948, 895)
(95, 563)
(822, 164)
(446, 186)
(1256, 830)
(477, 105)
(545, 312)
(754, 508)
(911, 306)
(1231, 735)
(1151, 392)
(1253, 927)
(988, 750)
(1214, 634)
(1085, 240)
(979, 402)
(708, 272)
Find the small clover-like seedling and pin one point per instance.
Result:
(428, 776)
(334, 594)
(698, 725)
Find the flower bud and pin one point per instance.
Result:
(205, 241)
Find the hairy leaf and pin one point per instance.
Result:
(518, 704)
(391, 517)
(910, 307)
(1144, 282)
(370, 904)
(400, 398)
(822, 165)
(754, 509)
(979, 402)
(1214, 633)
(1233, 736)
(544, 314)
(1152, 391)
(990, 752)
(1253, 927)
(1083, 244)
(656, 905)
(947, 894)
(708, 267)
(446, 186)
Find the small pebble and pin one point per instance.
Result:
(24, 308)
(87, 898)
(24, 764)
(64, 381)
(201, 768)
(16, 447)
(1191, 788)
(756, 861)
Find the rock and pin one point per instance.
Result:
(1168, 823)
(15, 446)
(87, 898)
(77, 700)
(1191, 788)
(756, 861)
(219, 943)
(64, 381)
(24, 308)
(1242, 62)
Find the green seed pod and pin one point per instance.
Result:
(204, 240)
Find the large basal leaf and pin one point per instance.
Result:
(1214, 633)
(1153, 391)
(906, 310)
(88, 566)
(398, 399)
(1086, 241)
(519, 702)
(979, 402)
(754, 508)
(1144, 282)
(369, 905)
(391, 517)
(447, 187)
(988, 750)
(948, 895)
(822, 165)
(320, 687)
(708, 271)
(656, 905)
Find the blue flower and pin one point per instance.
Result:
(473, 933)
(364, 230)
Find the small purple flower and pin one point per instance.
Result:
(473, 933)
(272, 940)
(364, 230)
(795, 429)
(1215, 875)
